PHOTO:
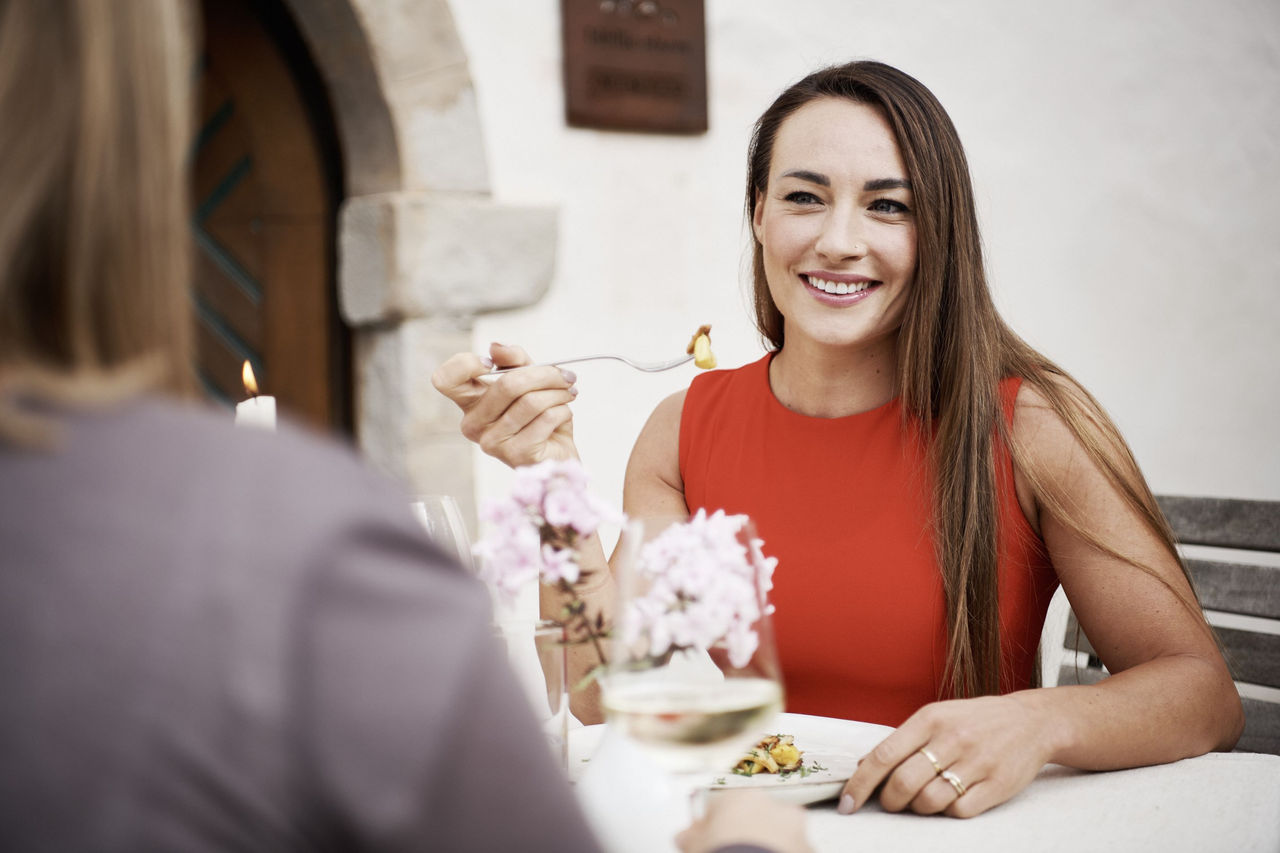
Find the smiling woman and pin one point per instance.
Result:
(925, 478)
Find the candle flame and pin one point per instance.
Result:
(250, 384)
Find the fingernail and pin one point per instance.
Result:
(846, 804)
(486, 361)
(496, 344)
(573, 391)
(569, 376)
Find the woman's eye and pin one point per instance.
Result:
(801, 197)
(889, 206)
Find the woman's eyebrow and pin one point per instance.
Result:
(870, 186)
(886, 184)
(811, 177)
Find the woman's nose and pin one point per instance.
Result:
(841, 236)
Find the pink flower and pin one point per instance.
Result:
(531, 531)
(707, 582)
(706, 588)
(559, 564)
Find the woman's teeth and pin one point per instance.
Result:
(838, 287)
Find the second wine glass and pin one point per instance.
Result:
(693, 677)
(442, 518)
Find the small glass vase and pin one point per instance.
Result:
(537, 653)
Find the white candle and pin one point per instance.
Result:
(257, 412)
(260, 409)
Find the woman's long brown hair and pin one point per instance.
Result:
(953, 351)
(95, 122)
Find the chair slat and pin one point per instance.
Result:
(1224, 522)
(1253, 656)
(1261, 727)
(1237, 587)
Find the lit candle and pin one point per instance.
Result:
(258, 410)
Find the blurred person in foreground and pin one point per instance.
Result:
(212, 639)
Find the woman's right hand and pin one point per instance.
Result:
(521, 416)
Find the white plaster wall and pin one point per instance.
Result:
(1127, 163)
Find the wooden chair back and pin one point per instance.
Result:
(1244, 585)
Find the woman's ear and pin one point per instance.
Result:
(757, 217)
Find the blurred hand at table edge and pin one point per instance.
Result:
(746, 820)
(520, 417)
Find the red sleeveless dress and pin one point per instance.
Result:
(844, 504)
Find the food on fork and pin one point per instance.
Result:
(773, 754)
(700, 348)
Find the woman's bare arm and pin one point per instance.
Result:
(1171, 695)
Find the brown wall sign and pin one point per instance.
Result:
(635, 64)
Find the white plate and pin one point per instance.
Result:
(835, 745)
(828, 773)
(831, 749)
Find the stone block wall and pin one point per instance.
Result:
(422, 247)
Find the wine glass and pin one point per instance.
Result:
(442, 518)
(693, 678)
(535, 649)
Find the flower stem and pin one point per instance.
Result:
(579, 621)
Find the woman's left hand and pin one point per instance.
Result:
(992, 747)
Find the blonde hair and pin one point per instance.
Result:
(95, 121)
(953, 351)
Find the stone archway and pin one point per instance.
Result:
(341, 48)
(422, 246)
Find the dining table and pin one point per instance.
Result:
(1215, 802)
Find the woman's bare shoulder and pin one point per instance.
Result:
(670, 408)
(1048, 430)
(660, 436)
(1064, 442)
(653, 476)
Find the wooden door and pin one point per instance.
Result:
(267, 182)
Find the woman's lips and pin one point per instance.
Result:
(850, 287)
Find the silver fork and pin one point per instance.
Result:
(646, 366)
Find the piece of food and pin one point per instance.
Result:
(773, 754)
(700, 348)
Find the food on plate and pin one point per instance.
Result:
(773, 754)
(700, 348)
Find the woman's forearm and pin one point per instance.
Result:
(1165, 709)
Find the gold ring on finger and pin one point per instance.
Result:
(933, 759)
(955, 782)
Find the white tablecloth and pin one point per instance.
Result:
(1217, 802)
